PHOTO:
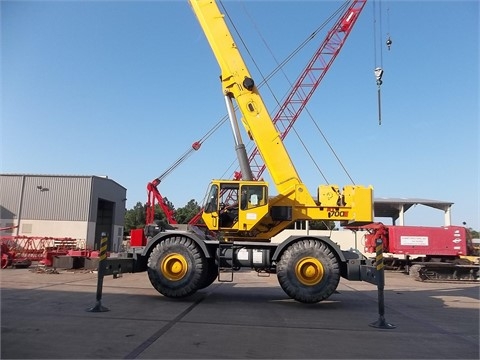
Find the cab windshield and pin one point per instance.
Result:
(211, 200)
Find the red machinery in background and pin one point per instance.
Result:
(427, 253)
(20, 251)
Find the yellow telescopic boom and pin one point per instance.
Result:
(351, 204)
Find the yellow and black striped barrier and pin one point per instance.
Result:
(101, 272)
(380, 269)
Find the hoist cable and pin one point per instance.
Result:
(264, 81)
(380, 41)
(388, 21)
(298, 49)
(378, 67)
(374, 35)
(310, 155)
(176, 163)
(247, 49)
(331, 148)
(378, 33)
(280, 68)
(225, 118)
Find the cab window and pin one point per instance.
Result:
(211, 201)
(253, 196)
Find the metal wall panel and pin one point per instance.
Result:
(56, 198)
(10, 196)
(60, 198)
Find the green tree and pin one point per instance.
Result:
(314, 225)
(135, 217)
(185, 214)
(159, 214)
(474, 233)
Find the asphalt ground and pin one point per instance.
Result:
(45, 316)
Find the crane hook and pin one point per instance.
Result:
(378, 75)
(389, 43)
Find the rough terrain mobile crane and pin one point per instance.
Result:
(308, 267)
(284, 118)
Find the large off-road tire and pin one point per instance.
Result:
(6, 257)
(177, 267)
(6, 261)
(308, 271)
(212, 273)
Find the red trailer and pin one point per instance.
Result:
(445, 241)
(427, 253)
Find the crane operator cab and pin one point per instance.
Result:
(235, 205)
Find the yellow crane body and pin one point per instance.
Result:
(352, 204)
(242, 214)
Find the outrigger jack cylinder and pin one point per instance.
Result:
(101, 271)
(380, 323)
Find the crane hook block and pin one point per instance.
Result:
(378, 75)
(389, 43)
(248, 83)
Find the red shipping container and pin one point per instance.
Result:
(418, 240)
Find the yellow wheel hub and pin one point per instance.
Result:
(309, 271)
(174, 267)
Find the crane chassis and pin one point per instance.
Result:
(308, 268)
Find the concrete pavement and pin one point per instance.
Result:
(43, 316)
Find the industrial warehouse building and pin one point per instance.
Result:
(76, 207)
(84, 207)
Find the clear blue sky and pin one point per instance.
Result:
(123, 88)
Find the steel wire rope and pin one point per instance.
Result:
(264, 81)
(374, 35)
(280, 68)
(378, 67)
(388, 23)
(380, 30)
(331, 149)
